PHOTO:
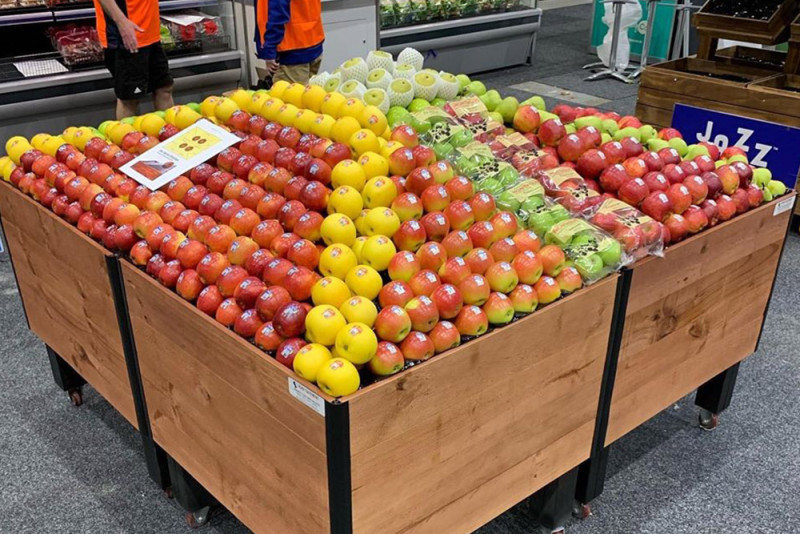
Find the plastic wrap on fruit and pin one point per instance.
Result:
(638, 233)
(471, 113)
(569, 189)
(435, 126)
(541, 214)
(521, 198)
(589, 249)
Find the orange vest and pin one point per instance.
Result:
(143, 13)
(304, 28)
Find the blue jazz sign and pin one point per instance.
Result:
(767, 144)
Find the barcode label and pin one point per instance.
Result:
(306, 396)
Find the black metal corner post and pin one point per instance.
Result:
(337, 439)
(592, 472)
(155, 457)
(14, 271)
(64, 375)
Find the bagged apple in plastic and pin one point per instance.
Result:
(525, 192)
(589, 249)
(540, 215)
(638, 233)
(570, 190)
(473, 114)
(476, 162)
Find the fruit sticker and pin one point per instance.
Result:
(179, 154)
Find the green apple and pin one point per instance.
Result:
(397, 115)
(462, 138)
(610, 252)
(507, 201)
(609, 126)
(507, 176)
(463, 81)
(490, 185)
(531, 204)
(161, 113)
(418, 104)
(546, 116)
(630, 131)
(777, 188)
(680, 145)
(590, 266)
(540, 222)
(605, 138)
(438, 102)
(496, 117)
(738, 157)
(443, 150)
(694, 151)
(475, 88)
(720, 162)
(195, 106)
(537, 102)
(761, 176)
(767, 195)
(102, 127)
(559, 213)
(570, 128)
(647, 132)
(657, 144)
(491, 99)
(589, 120)
(507, 108)
(128, 120)
(421, 127)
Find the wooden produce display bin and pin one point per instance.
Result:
(63, 279)
(442, 447)
(719, 85)
(695, 313)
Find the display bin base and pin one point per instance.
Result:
(63, 280)
(470, 44)
(445, 446)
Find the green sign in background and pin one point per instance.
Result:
(662, 29)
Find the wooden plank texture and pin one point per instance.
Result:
(222, 409)
(63, 280)
(693, 314)
(452, 443)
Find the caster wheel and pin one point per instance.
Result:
(168, 492)
(75, 396)
(199, 518)
(708, 421)
(582, 511)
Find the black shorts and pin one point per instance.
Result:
(137, 74)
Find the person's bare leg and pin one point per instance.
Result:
(162, 98)
(127, 108)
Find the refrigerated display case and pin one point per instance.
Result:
(462, 35)
(51, 63)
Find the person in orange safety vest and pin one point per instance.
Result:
(289, 37)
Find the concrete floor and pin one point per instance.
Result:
(81, 470)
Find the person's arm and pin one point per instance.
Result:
(278, 15)
(127, 29)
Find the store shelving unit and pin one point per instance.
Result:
(471, 42)
(84, 94)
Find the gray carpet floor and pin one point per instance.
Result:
(80, 470)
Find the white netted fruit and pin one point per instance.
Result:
(426, 85)
(448, 86)
(378, 78)
(377, 97)
(404, 71)
(354, 69)
(352, 89)
(401, 92)
(410, 56)
(333, 82)
(319, 78)
(378, 59)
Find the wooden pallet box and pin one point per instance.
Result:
(66, 292)
(696, 312)
(443, 447)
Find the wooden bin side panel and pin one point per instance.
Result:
(693, 314)
(63, 280)
(450, 445)
(222, 409)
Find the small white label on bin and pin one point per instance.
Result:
(306, 396)
(783, 206)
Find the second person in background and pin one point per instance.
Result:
(289, 37)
